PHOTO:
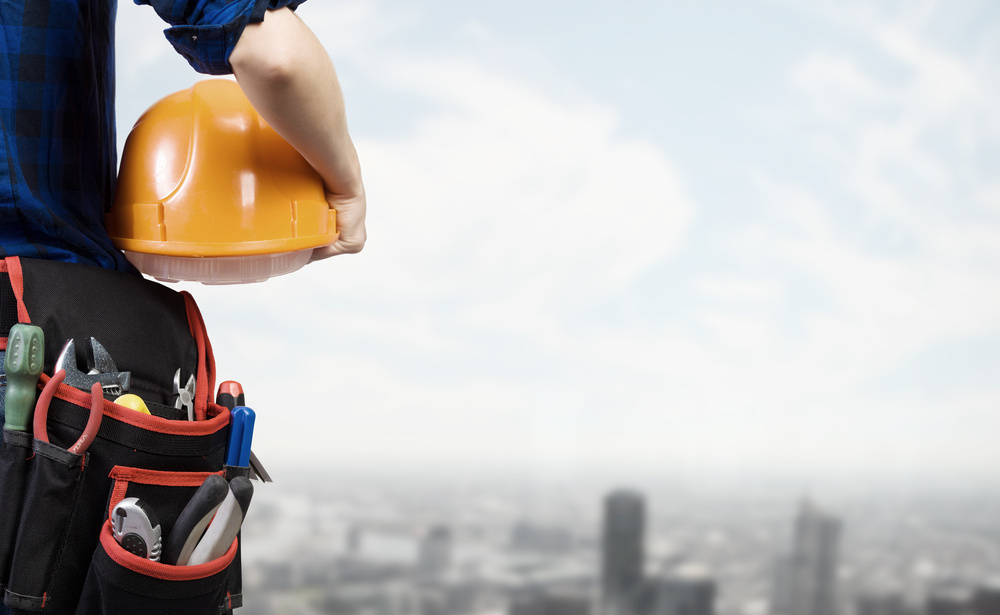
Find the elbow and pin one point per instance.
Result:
(274, 67)
(270, 51)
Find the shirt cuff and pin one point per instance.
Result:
(207, 47)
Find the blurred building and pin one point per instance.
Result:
(781, 585)
(455, 597)
(950, 599)
(806, 580)
(986, 600)
(881, 604)
(549, 540)
(688, 595)
(368, 599)
(625, 589)
(948, 605)
(550, 603)
(622, 550)
(434, 553)
(274, 576)
(353, 540)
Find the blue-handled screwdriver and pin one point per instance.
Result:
(23, 364)
(231, 395)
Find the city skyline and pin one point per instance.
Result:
(514, 551)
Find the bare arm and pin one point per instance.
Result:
(290, 80)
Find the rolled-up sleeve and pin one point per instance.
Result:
(206, 31)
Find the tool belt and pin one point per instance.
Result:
(57, 552)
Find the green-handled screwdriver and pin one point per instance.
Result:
(23, 364)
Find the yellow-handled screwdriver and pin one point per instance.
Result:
(23, 364)
(134, 402)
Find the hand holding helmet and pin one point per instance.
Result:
(209, 192)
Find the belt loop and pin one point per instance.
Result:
(17, 285)
(206, 358)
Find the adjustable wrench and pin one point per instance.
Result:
(101, 368)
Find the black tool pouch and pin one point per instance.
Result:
(57, 553)
(119, 581)
(46, 529)
(16, 456)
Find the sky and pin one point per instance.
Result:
(741, 239)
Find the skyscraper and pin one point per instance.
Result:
(622, 549)
(809, 574)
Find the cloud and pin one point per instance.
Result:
(902, 255)
(498, 215)
(921, 242)
(837, 284)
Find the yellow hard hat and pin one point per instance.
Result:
(208, 191)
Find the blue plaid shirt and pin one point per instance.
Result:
(57, 83)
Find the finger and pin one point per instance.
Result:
(348, 243)
(331, 250)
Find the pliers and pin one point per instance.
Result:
(93, 423)
(185, 394)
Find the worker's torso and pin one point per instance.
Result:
(58, 160)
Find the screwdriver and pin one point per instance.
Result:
(133, 402)
(23, 363)
(231, 395)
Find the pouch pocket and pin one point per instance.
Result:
(15, 458)
(120, 583)
(47, 520)
(166, 493)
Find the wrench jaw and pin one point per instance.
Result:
(101, 368)
(99, 360)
